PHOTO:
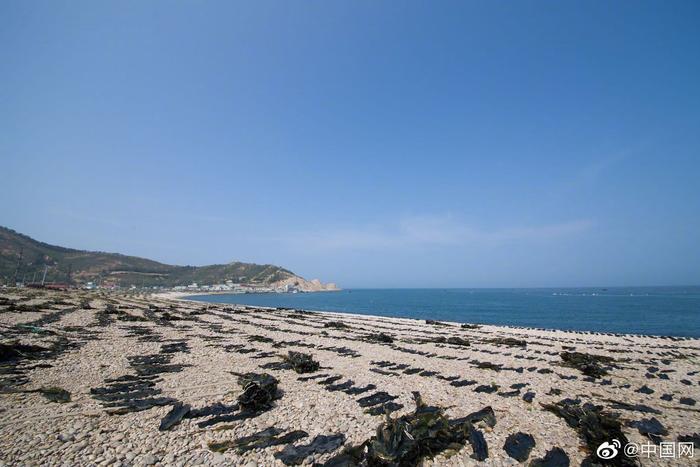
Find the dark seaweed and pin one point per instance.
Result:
(262, 439)
(519, 445)
(374, 399)
(594, 427)
(650, 427)
(294, 455)
(405, 440)
(173, 417)
(555, 457)
(594, 366)
(301, 362)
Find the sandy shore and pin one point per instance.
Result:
(128, 360)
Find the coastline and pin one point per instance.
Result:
(198, 345)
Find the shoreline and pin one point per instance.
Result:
(170, 351)
(183, 296)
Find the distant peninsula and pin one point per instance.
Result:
(27, 261)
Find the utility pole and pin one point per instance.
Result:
(46, 268)
(19, 266)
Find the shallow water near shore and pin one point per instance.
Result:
(671, 311)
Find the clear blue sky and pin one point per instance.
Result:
(371, 143)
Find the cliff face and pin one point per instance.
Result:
(304, 285)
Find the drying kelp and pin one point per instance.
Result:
(381, 397)
(146, 365)
(175, 347)
(221, 413)
(454, 340)
(555, 457)
(355, 390)
(485, 417)
(340, 386)
(487, 388)
(694, 438)
(14, 351)
(507, 341)
(480, 448)
(519, 445)
(134, 393)
(213, 410)
(55, 394)
(463, 382)
(342, 351)
(384, 408)
(379, 337)
(294, 455)
(336, 325)
(263, 339)
(309, 378)
(650, 427)
(406, 440)
(488, 365)
(470, 326)
(330, 380)
(435, 323)
(14, 355)
(22, 308)
(594, 427)
(173, 417)
(594, 366)
(130, 393)
(259, 390)
(260, 440)
(301, 362)
(167, 316)
(632, 407)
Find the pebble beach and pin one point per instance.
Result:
(97, 378)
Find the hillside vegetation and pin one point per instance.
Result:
(78, 266)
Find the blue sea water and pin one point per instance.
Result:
(673, 311)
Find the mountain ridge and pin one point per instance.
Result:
(28, 259)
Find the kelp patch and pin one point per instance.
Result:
(408, 439)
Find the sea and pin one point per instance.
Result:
(666, 311)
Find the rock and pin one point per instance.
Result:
(149, 459)
(217, 458)
(65, 437)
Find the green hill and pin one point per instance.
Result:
(77, 266)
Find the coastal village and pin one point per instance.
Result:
(227, 287)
